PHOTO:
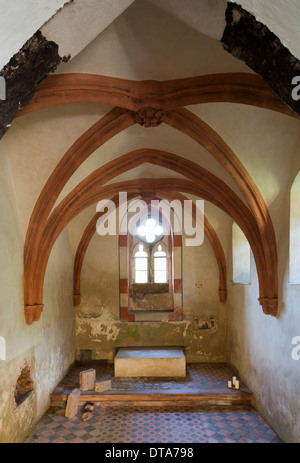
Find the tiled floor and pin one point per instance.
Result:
(156, 425)
(201, 377)
(164, 424)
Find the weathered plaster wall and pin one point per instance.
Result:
(49, 346)
(98, 327)
(280, 16)
(146, 42)
(206, 16)
(259, 346)
(20, 20)
(35, 144)
(85, 20)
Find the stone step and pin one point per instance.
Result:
(167, 399)
(204, 385)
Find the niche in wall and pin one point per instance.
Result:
(24, 384)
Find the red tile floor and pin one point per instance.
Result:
(152, 424)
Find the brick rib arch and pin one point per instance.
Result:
(208, 230)
(106, 128)
(186, 122)
(243, 88)
(110, 125)
(91, 190)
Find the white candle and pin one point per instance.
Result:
(229, 384)
(237, 384)
(233, 380)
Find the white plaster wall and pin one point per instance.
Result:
(74, 27)
(36, 142)
(260, 346)
(11, 263)
(49, 344)
(206, 16)
(266, 142)
(19, 20)
(146, 42)
(97, 318)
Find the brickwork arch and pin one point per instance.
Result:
(208, 230)
(118, 119)
(90, 190)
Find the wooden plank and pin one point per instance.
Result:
(87, 379)
(163, 399)
(102, 386)
(73, 400)
(87, 411)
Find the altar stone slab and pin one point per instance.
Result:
(150, 362)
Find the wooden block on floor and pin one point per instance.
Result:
(72, 403)
(102, 386)
(87, 411)
(87, 380)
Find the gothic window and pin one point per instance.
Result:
(149, 230)
(141, 270)
(294, 277)
(240, 256)
(160, 266)
(150, 266)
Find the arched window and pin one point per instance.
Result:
(294, 277)
(150, 263)
(149, 230)
(160, 266)
(141, 265)
(240, 256)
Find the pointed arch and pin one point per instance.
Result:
(208, 230)
(116, 121)
(215, 191)
(186, 122)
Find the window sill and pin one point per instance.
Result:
(235, 283)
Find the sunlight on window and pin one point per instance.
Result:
(295, 232)
(150, 230)
(240, 256)
(160, 266)
(141, 265)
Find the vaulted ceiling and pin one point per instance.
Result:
(153, 104)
